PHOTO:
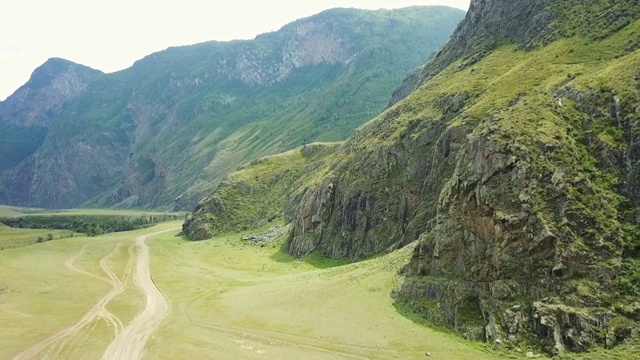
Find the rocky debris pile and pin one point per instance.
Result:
(266, 237)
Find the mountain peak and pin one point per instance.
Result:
(168, 129)
(54, 68)
(50, 86)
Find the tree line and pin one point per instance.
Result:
(91, 225)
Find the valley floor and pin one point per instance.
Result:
(70, 298)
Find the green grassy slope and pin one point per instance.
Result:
(259, 193)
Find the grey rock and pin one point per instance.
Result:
(265, 237)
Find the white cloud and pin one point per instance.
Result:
(9, 48)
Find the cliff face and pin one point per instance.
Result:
(379, 193)
(306, 44)
(165, 132)
(515, 167)
(75, 172)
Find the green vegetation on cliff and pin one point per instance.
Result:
(515, 165)
(259, 193)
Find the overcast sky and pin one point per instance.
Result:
(111, 35)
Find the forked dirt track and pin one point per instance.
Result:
(98, 310)
(131, 341)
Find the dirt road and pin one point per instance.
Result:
(131, 341)
(97, 311)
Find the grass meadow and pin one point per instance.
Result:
(229, 299)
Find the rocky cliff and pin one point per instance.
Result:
(164, 132)
(513, 164)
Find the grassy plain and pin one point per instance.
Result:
(233, 300)
(12, 211)
(15, 237)
(6, 211)
(12, 237)
(40, 296)
(228, 300)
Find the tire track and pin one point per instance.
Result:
(329, 347)
(98, 310)
(132, 340)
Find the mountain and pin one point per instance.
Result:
(510, 161)
(164, 132)
(26, 115)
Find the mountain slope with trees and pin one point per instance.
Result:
(164, 132)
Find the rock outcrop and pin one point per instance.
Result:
(377, 196)
(513, 165)
(309, 43)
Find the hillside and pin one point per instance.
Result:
(164, 132)
(259, 193)
(511, 158)
(25, 116)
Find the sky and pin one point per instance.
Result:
(112, 35)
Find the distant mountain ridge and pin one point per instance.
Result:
(164, 132)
